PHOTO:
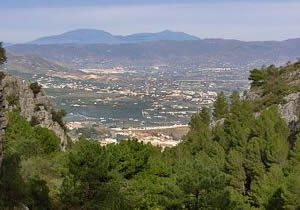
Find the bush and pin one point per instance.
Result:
(13, 100)
(27, 141)
(34, 121)
(47, 140)
(12, 185)
(36, 88)
(57, 116)
(19, 135)
(38, 195)
(257, 77)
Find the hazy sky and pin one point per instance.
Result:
(25, 20)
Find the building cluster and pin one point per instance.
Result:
(141, 134)
(145, 96)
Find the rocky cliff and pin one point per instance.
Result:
(33, 104)
(290, 111)
(280, 86)
(2, 124)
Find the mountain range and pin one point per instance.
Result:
(204, 52)
(93, 36)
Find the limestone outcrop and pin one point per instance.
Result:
(33, 106)
(290, 110)
(2, 124)
(289, 106)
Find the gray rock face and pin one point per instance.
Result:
(290, 111)
(290, 108)
(254, 94)
(2, 125)
(19, 95)
(219, 122)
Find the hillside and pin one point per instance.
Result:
(249, 159)
(92, 36)
(208, 52)
(32, 103)
(32, 64)
(281, 86)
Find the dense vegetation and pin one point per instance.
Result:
(232, 158)
(273, 83)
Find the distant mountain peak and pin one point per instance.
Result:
(86, 30)
(95, 36)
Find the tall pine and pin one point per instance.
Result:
(221, 107)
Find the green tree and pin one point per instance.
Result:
(202, 117)
(57, 116)
(264, 189)
(36, 88)
(235, 102)
(291, 191)
(257, 77)
(235, 167)
(22, 138)
(221, 107)
(130, 157)
(269, 123)
(277, 201)
(19, 136)
(155, 187)
(276, 151)
(38, 195)
(12, 186)
(90, 182)
(203, 184)
(47, 140)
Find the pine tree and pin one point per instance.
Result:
(201, 118)
(235, 167)
(221, 107)
(257, 77)
(235, 102)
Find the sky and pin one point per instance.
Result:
(249, 20)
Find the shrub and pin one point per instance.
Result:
(27, 141)
(57, 116)
(12, 185)
(47, 140)
(36, 88)
(19, 135)
(34, 121)
(13, 100)
(38, 195)
(257, 77)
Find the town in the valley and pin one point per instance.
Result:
(153, 104)
(116, 103)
